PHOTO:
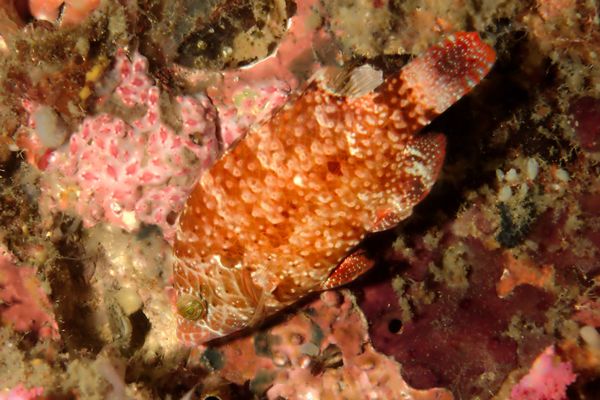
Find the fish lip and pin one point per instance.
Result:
(192, 333)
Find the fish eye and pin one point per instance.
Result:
(191, 307)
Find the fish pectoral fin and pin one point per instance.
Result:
(348, 270)
(423, 160)
(420, 166)
(387, 218)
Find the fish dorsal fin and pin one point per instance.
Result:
(350, 81)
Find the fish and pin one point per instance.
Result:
(282, 214)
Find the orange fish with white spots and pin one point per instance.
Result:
(281, 214)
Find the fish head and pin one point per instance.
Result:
(214, 301)
(192, 327)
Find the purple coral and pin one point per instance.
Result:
(586, 116)
(547, 380)
(130, 172)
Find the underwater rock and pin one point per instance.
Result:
(466, 304)
(438, 332)
(65, 13)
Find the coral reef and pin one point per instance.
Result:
(491, 289)
(507, 267)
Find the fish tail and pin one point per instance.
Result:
(432, 82)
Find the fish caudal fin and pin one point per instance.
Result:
(448, 70)
(432, 82)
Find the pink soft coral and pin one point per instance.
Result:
(23, 303)
(547, 380)
(141, 171)
(20, 392)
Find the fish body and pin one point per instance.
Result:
(281, 214)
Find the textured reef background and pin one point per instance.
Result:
(490, 290)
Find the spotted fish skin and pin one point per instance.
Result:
(276, 216)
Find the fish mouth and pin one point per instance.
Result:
(218, 324)
(192, 333)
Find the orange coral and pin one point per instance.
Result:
(520, 271)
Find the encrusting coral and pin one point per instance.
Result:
(323, 352)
